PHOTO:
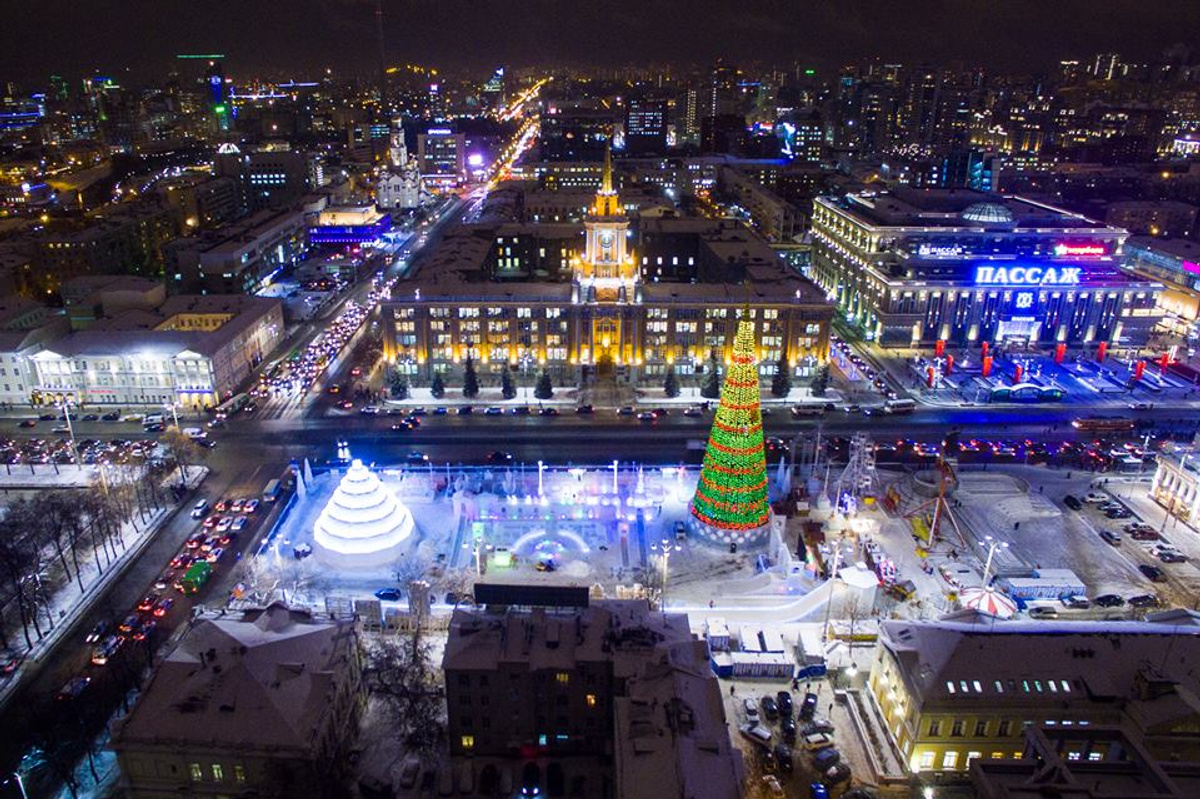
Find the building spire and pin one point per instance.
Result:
(606, 183)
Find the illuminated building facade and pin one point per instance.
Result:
(911, 267)
(441, 157)
(583, 305)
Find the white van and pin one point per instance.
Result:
(899, 406)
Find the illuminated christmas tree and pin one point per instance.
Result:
(731, 497)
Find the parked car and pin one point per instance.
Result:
(770, 710)
(1096, 496)
(389, 594)
(826, 758)
(1144, 534)
(783, 756)
(817, 790)
(1075, 602)
(1072, 502)
(1108, 601)
(787, 727)
(839, 772)
(808, 707)
(751, 709)
(1145, 600)
(784, 700)
(1172, 557)
(817, 725)
(1110, 537)
(818, 740)
(1043, 612)
(771, 785)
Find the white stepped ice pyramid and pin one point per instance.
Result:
(363, 525)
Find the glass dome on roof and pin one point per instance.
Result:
(988, 214)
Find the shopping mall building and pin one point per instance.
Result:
(909, 267)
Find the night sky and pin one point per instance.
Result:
(300, 36)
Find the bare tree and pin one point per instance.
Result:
(401, 672)
(411, 568)
(459, 584)
(56, 513)
(184, 451)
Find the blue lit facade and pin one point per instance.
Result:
(350, 234)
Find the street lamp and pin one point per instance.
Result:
(71, 430)
(664, 550)
(541, 468)
(174, 414)
(992, 547)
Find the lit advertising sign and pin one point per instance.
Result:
(939, 250)
(1027, 275)
(1062, 250)
(440, 132)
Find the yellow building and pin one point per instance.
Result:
(968, 686)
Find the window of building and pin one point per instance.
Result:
(591, 700)
(926, 761)
(956, 729)
(973, 755)
(468, 742)
(981, 729)
(195, 772)
(218, 772)
(935, 728)
(950, 761)
(950, 686)
(997, 755)
(562, 677)
(239, 774)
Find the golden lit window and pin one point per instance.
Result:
(468, 742)
(562, 677)
(591, 700)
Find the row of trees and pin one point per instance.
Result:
(67, 535)
(543, 389)
(781, 382)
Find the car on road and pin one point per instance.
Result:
(466, 410)
(693, 410)
(1172, 556)
(770, 709)
(147, 603)
(250, 505)
(625, 410)
(1152, 573)
(548, 412)
(1118, 513)
(403, 426)
(129, 623)
(90, 417)
(520, 410)
(585, 409)
(1145, 600)
(199, 509)
(163, 607)
(212, 521)
(1095, 496)
(1108, 601)
(222, 505)
(97, 632)
(493, 411)
(74, 687)
(499, 457)
(751, 708)
(196, 539)
(111, 416)
(416, 458)
(647, 416)
(238, 525)
(215, 554)
(441, 410)
(1111, 537)
(389, 594)
(225, 523)
(1072, 502)
(182, 561)
(28, 423)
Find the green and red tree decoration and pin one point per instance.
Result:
(732, 492)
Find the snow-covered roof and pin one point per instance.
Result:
(264, 680)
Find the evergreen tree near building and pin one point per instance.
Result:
(711, 387)
(398, 383)
(508, 389)
(544, 389)
(470, 379)
(671, 384)
(821, 380)
(732, 491)
(781, 383)
(437, 388)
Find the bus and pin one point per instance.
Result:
(233, 404)
(1103, 424)
(195, 577)
(152, 421)
(271, 492)
(899, 406)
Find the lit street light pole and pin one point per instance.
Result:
(665, 548)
